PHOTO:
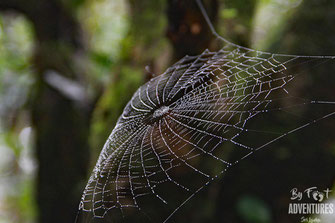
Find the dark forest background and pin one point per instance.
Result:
(68, 67)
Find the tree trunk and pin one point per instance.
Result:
(187, 29)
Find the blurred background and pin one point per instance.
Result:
(68, 67)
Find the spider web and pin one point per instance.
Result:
(178, 130)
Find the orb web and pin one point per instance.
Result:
(176, 133)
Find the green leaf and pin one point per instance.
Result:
(253, 210)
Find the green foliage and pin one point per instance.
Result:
(112, 103)
(72, 4)
(15, 73)
(253, 210)
(106, 24)
(16, 45)
(236, 17)
(17, 182)
(269, 22)
(124, 58)
(26, 202)
(229, 13)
